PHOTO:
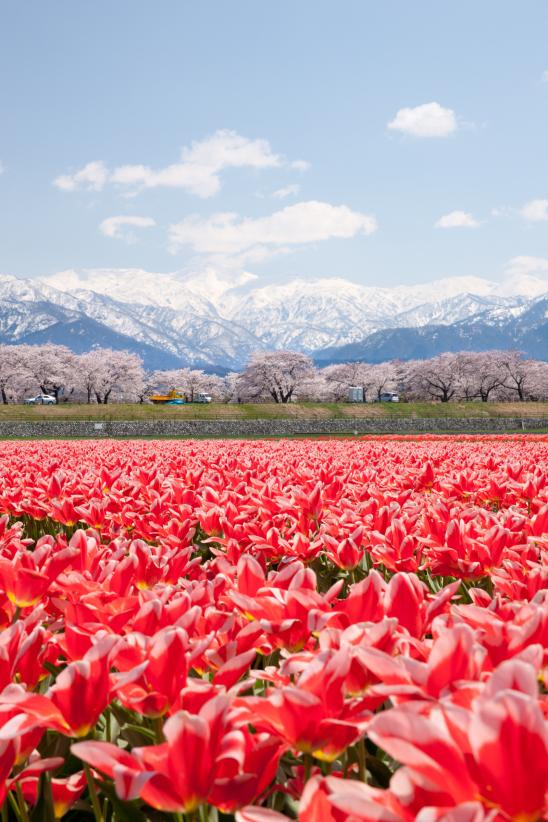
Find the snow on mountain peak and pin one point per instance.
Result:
(173, 289)
(524, 285)
(220, 318)
(135, 285)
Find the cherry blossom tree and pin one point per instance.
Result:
(526, 378)
(147, 387)
(383, 377)
(481, 374)
(373, 379)
(106, 372)
(54, 368)
(341, 377)
(13, 377)
(227, 389)
(435, 379)
(276, 375)
(315, 388)
(87, 370)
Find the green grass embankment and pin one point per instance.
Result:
(248, 411)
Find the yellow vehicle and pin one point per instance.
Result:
(173, 397)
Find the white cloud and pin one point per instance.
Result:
(2, 167)
(545, 76)
(200, 165)
(428, 120)
(92, 177)
(287, 191)
(198, 170)
(300, 165)
(457, 219)
(536, 210)
(519, 266)
(255, 239)
(117, 227)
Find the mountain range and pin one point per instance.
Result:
(207, 321)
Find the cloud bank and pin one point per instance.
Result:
(300, 224)
(198, 170)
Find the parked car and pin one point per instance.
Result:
(203, 398)
(389, 396)
(41, 399)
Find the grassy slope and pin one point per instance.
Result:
(270, 411)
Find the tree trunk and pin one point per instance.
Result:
(4, 396)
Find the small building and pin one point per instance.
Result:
(355, 393)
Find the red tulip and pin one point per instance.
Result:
(497, 754)
(341, 800)
(74, 703)
(314, 717)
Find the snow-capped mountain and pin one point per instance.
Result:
(211, 321)
(523, 328)
(308, 315)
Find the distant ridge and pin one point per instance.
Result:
(208, 322)
(528, 333)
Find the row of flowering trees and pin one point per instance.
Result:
(490, 375)
(103, 375)
(97, 376)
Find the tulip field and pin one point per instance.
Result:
(260, 631)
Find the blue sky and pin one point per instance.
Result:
(389, 142)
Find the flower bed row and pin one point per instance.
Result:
(321, 630)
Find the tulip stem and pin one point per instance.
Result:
(362, 773)
(307, 767)
(48, 796)
(14, 806)
(97, 812)
(159, 730)
(108, 730)
(21, 802)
